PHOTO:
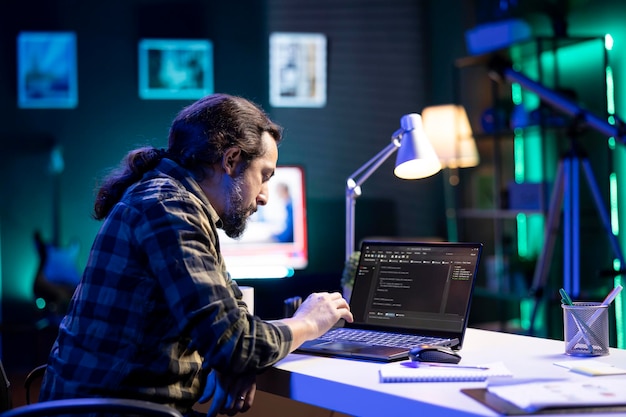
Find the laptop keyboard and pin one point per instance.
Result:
(340, 334)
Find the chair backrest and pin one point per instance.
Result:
(82, 406)
(34, 375)
(78, 406)
(5, 392)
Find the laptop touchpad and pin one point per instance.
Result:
(364, 349)
(344, 346)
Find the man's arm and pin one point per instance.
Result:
(315, 316)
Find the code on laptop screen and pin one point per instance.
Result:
(415, 286)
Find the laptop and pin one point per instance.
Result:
(413, 293)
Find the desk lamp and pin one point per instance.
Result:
(448, 129)
(416, 159)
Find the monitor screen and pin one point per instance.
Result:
(274, 243)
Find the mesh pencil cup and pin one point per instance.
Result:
(586, 329)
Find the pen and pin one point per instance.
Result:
(442, 365)
(579, 322)
(609, 298)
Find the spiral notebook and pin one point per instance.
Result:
(409, 371)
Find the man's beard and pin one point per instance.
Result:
(236, 216)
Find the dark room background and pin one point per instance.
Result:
(385, 59)
(382, 64)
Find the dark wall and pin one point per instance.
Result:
(379, 68)
(385, 59)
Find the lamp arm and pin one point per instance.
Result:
(373, 164)
(353, 187)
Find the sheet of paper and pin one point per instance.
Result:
(591, 367)
(538, 395)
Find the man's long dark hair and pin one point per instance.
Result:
(198, 138)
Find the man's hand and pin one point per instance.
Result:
(231, 394)
(322, 310)
(316, 315)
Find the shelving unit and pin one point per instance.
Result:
(504, 201)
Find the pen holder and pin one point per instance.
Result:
(586, 329)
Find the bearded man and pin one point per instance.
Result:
(156, 315)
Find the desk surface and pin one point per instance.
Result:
(352, 386)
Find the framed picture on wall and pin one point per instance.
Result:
(297, 70)
(46, 70)
(175, 68)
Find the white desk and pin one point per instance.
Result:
(352, 387)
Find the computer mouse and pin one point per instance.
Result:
(429, 353)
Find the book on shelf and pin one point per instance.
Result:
(410, 371)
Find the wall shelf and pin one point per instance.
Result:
(495, 214)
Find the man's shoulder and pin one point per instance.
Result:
(161, 193)
(160, 183)
(156, 188)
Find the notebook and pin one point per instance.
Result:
(571, 394)
(412, 292)
(422, 372)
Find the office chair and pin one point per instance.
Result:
(5, 393)
(82, 406)
(78, 406)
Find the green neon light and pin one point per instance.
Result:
(611, 143)
(516, 94)
(526, 307)
(522, 235)
(613, 203)
(619, 314)
(518, 156)
(608, 42)
(610, 91)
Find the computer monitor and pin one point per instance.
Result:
(274, 243)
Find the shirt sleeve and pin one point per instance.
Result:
(180, 240)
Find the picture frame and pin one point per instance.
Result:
(297, 69)
(176, 69)
(46, 70)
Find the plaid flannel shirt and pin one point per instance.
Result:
(156, 309)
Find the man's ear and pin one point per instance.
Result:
(231, 160)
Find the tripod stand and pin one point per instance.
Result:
(567, 175)
(566, 196)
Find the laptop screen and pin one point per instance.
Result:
(416, 286)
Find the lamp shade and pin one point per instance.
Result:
(448, 130)
(416, 157)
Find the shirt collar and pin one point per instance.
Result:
(184, 176)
